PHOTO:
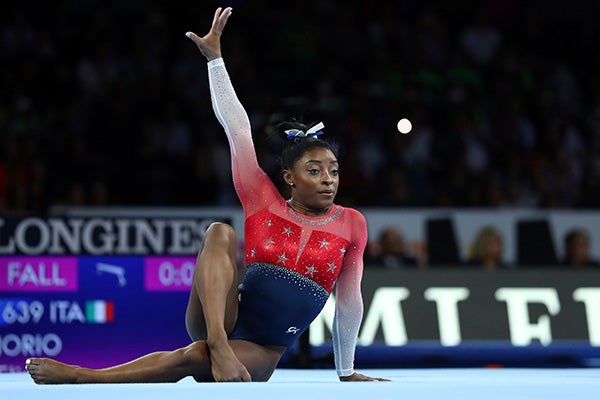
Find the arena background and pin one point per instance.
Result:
(105, 119)
(104, 285)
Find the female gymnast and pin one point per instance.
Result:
(296, 250)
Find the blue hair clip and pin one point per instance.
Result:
(293, 134)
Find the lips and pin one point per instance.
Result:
(327, 192)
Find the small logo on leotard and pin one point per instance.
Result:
(293, 330)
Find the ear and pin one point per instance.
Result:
(287, 176)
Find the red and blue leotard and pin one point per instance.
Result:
(293, 260)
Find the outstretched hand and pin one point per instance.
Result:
(356, 377)
(210, 44)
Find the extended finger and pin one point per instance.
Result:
(371, 379)
(221, 19)
(216, 17)
(192, 36)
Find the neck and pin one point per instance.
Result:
(309, 211)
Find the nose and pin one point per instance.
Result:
(327, 179)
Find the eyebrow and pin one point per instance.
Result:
(321, 162)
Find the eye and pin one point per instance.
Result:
(314, 171)
(334, 172)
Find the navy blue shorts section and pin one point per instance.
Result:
(276, 305)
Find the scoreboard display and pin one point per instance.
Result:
(95, 291)
(103, 310)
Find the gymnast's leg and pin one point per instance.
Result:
(162, 366)
(212, 308)
(211, 355)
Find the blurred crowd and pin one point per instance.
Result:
(390, 251)
(107, 103)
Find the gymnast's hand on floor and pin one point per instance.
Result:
(356, 377)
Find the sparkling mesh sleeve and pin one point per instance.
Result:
(349, 304)
(252, 185)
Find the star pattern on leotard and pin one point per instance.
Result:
(324, 244)
(314, 254)
(331, 266)
(282, 258)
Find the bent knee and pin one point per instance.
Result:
(220, 233)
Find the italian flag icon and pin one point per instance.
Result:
(99, 311)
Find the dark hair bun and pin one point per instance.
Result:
(277, 138)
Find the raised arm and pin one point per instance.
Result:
(248, 177)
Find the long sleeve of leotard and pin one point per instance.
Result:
(349, 304)
(252, 184)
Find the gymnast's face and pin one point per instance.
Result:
(315, 178)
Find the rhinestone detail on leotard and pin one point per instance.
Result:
(315, 222)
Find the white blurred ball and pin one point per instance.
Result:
(404, 126)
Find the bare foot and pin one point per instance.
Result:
(45, 371)
(226, 367)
